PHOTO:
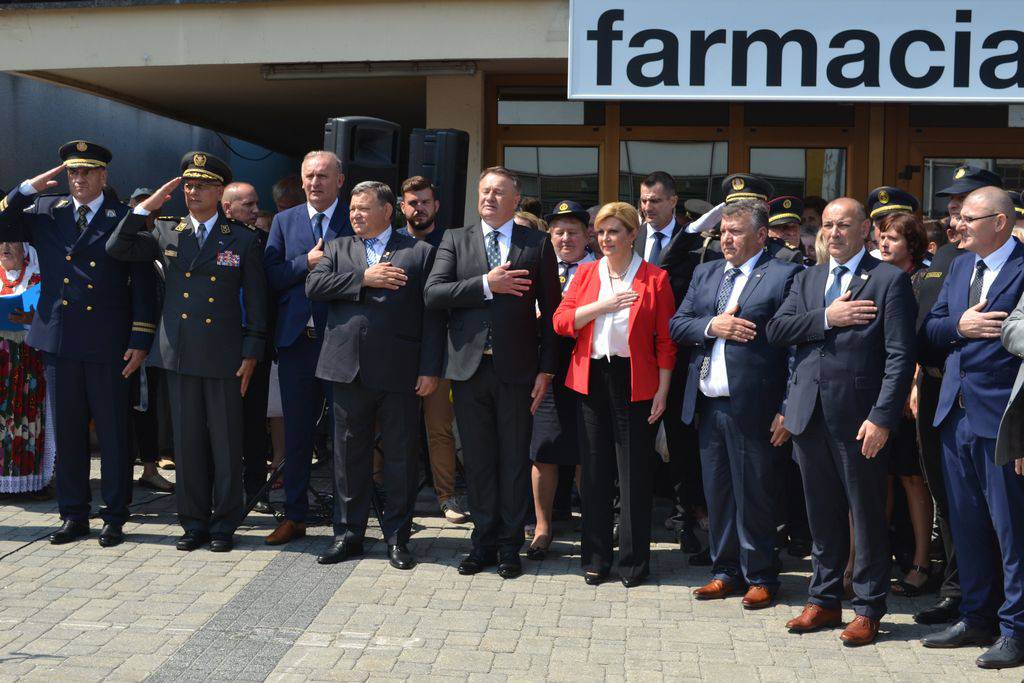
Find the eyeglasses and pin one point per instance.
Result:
(967, 220)
(198, 187)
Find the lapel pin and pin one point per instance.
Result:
(863, 276)
(111, 213)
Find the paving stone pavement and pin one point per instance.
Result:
(144, 610)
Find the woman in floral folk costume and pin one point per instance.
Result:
(26, 448)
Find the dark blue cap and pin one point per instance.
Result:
(967, 179)
(887, 199)
(570, 208)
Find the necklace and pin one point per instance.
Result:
(9, 285)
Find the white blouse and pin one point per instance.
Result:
(611, 330)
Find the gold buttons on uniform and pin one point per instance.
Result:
(187, 274)
(209, 320)
(185, 295)
(88, 308)
(184, 316)
(92, 264)
(89, 286)
(64, 302)
(68, 257)
(213, 278)
(210, 299)
(67, 281)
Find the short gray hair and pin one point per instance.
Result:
(324, 153)
(382, 191)
(754, 210)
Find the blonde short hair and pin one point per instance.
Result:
(527, 219)
(821, 247)
(623, 212)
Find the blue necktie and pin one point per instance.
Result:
(318, 226)
(835, 290)
(724, 292)
(201, 234)
(493, 250)
(656, 249)
(371, 251)
(974, 295)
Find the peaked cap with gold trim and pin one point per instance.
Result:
(205, 166)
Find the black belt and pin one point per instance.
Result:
(310, 332)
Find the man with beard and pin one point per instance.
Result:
(420, 206)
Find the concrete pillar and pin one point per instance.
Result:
(458, 102)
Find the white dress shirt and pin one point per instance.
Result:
(611, 330)
(667, 231)
(844, 283)
(716, 384)
(328, 214)
(209, 223)
(94, 206)
(504, 242)
(994, 263)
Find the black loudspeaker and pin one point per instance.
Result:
(368, 149)
(441, 154)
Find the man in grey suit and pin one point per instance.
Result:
(382, 352)
(852, 323)
(1010, 442)
(206, 341)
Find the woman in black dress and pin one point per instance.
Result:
(555, 443)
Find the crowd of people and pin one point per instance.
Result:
(813, 375)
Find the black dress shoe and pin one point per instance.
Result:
(688, 542)
(1008, 652)
(942, 612)
(634, 581)
(263, 507)
(221, 544)
(595, 579)
(961, 634)
(509, 565)
(339, 551)
(701, 559)
(192, 540)
(70, 530)
(400, 557)
(476, 562)
(111, 535)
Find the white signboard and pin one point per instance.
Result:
(878, 50)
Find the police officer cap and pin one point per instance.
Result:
(695, 208)
(569, 208)
(1018, 202)
(968, 179)
(885, 200)
(84, 154)
(783, 210)
(745, 186)
(204, 166)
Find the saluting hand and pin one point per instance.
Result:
(384, 276)
(977, 325)
(728, 326)
(135, 357)
(245, 371)
(46, 180)
(315, 254)
(501, 280)
(846, 313)
(161, 196)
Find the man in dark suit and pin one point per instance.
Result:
(852, 323)
(986, 499)
(382, 352)
(94, 323)
(295, 246)
(213, 271)
(966, 179)
(736, 382)
(492, 278)
(1010, 442)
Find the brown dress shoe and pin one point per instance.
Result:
(757, 597)
(861, 631)
(286, 531)
(716, 590)
(814, 617)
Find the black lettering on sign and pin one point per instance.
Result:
(668, 55)
(774, 44)
(989, 66)
(867, 57)
(898, 59)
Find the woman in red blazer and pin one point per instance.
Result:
(618, 310)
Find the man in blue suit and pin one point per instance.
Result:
(295, 246)
(95, 323)
(986, 499)
(852, 323)
(736, 382)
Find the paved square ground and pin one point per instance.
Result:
(144, 610)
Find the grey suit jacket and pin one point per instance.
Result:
(1010, 441)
